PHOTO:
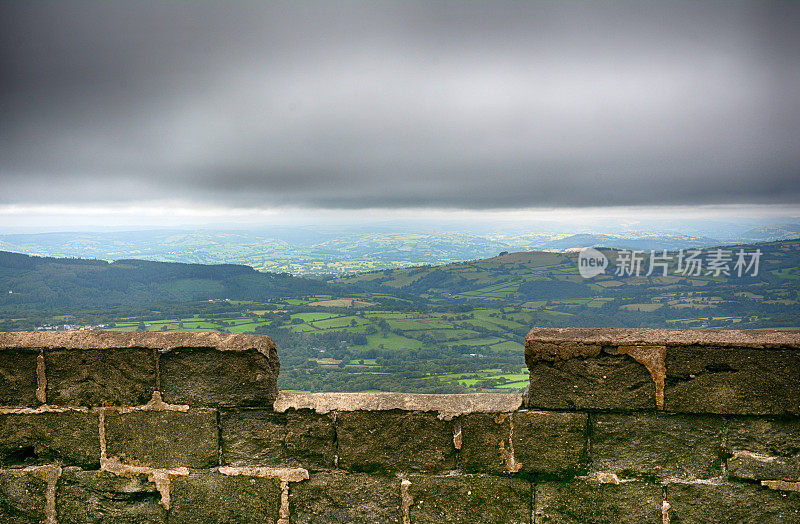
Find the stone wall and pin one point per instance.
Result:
(617, 426)
(683, 425)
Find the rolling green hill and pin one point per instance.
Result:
(552, 280)
(65, 282)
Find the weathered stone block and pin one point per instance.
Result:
(22, 497)
(310, 440)
(18, 378)
(211, 497)
(485, 443)
(731, 503)
(253, 437)
(342, 497)
(99, 496)
(551, 443)
(657, 446)
(764, 449)
(394, 441)
(733, 381)
(164, 439)
(100, 377)
(469, 499)
(601, 382)
(446, 405)
(260, 437)
(68, 438)
(587, 501)
(523, 441)
(209, 377)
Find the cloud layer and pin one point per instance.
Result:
(433, 104)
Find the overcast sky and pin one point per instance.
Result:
(438, 105)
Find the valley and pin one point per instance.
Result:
(451, 328)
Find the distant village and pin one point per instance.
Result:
(70, 327)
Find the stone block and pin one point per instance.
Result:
(469, 499)
(733, 381)
(211, 497)
(657, 445)
(762, 449)
(253, 437)
(67, 438)
(259, 437)
(446, 405)
(164, 439)
(485, 443)
(102, 497)
(600, 382)
(394, 441)
(209, 377)
(22, 497)
(731, 503)
(18, 377)
(100, 377)
(593, 502)
(550, 443)
(523, 442)
(310, 440)
(345, 497)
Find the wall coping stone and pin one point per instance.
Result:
(122, 339)
(447, 405)
(555, 344)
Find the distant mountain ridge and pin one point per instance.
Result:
(537, 276)
(642, 241)
(347, 250)
(772, 232)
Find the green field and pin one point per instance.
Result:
(383, 332)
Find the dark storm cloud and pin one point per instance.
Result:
(473, 105)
